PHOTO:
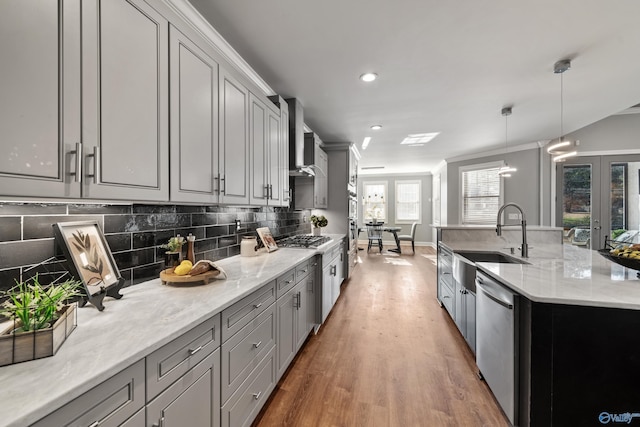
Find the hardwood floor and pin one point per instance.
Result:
(388, 355)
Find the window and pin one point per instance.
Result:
(408, 202)
(481, 193)
(374, 199)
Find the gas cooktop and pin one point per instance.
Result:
(303, 241)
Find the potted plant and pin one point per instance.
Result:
(41, 318)
(173, 255)
(318, 223)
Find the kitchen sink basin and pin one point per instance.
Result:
(491, 257)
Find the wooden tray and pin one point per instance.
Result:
(168, 276)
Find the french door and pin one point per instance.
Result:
(598, 198)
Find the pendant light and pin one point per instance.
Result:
(506, 170)
(562, 149)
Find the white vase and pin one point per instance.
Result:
(317, 231)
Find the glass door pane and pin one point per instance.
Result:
(579, 201)
(623, 203)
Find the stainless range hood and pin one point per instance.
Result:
(297, 166)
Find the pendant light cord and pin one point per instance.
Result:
(561, 107)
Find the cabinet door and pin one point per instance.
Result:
(259, 151)
(274, 158)
(286, 318)
(234, 140)
(40, 101)
(195, 398)
(327, 283)
(302, 315)
(321, 179)
(458, 312)
(470, 319)
(125, 101)
(194, 121)
(284, 154)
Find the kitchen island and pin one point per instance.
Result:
(149, 317)
(576, 323)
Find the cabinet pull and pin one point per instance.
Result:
(288, 282)
(299, 300)
(446, 296)
(96, 164)
(77, 174)
(257, 395)
(304, 270)
(162, 422)
(257, 344)
(265, 193)
(222, 188)
(295, 300)
(257, 305)
(217, 187)
(95, 424)
(194, 351)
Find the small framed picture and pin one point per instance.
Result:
(90, 259)
(267, 239)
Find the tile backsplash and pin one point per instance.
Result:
(134, 233)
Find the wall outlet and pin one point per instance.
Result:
(514, 216)
(237, 225)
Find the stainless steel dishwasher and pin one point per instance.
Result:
(497, 341)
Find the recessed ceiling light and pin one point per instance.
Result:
(376, 127)
(368, 77)
(419, 138)
(365, 142)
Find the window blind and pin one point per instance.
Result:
(408, 206)
(480, 196)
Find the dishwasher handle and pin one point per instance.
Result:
(479, 284)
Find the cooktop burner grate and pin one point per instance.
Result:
(303, 241)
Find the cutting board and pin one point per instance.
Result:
(168, 276)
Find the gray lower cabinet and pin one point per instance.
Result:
(194, 121)
(446, 287)
(243, 406)
(243, 352)
(332, 276)
(109, 404)
(193, 400)
(465, 314)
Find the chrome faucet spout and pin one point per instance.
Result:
(523, 224)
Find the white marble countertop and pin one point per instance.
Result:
(149, 316)
(564, 274)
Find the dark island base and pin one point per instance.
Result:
(579, 366)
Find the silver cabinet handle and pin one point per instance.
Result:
(217, 179)
(265, 193)
(96, 164)
(257, 344)
(257, 395)
(77, 174)
(222, 181)
(299, 300)
(194, 351)
(446, 296)
(95, 424)
(257, 305)
(288, 282)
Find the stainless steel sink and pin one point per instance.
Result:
(490, 257)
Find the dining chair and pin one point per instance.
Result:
(410, 237)
(374, 232)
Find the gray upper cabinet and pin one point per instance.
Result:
(265, 153)
(124, 100)
(194, 121)
(234, 140)
(39, 125)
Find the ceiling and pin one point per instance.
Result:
(443, 66)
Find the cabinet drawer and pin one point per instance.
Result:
(447, 277)
(244, 311)
(193, 400)
(244, 405)
(303, 269)
(285, 282)
(109, 404)
(168, 363)
(446, 297)
(242, 352)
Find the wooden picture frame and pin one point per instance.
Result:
(267, 239)
(90, 260)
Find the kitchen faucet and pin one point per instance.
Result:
(524, 248)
